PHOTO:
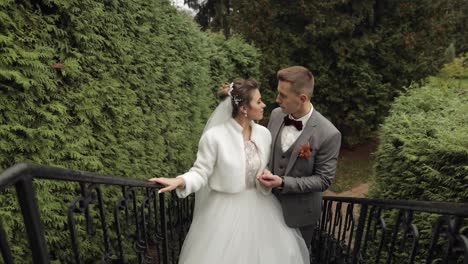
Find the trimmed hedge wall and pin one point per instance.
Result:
(423, 151)
(115, 87)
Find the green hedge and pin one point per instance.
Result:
(114, 87)
(423, 151)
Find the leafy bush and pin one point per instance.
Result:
(114, 87)
(423, 152)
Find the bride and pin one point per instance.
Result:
(236, 220)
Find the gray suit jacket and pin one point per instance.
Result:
(306, 178)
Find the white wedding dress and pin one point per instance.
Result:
(241, 228)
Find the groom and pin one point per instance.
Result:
(304, 151)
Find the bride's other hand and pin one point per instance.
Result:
(266, 173)
(269, 180)
(169, 183)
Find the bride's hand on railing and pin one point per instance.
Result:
(169, 183)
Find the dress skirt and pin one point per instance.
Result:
(241, 228)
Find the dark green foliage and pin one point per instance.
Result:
(213, 14)
(362, 52)
(114, 87)
(423, 151)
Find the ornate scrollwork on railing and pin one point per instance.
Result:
(81, 204)
(405, 224)
(128, 205)
(384, 231)
(178, 223)
(131, 227)
(335, 234)
(448, 228)
(132, 223)
(375, 223)
(148, 213)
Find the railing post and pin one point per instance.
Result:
(32, 220)
(162, 211)
(359, 233)
(4, 248)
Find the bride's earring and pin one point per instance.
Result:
(243, 112)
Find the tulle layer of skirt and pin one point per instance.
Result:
(242, 228)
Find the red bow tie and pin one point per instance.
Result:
(291, 122)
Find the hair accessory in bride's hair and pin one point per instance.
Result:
(234, 97)
(236, 100)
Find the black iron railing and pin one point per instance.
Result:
(132, 219)
(358, 230)
(132, 223)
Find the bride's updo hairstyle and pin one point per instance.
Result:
(240, 95)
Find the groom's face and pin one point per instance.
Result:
(289, 101)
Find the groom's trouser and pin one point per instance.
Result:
(307, 232)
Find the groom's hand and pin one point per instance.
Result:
(269, 180)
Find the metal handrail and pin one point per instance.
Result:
(446, 208)
(14, 173)
(175, 214)
(363, 230)
(346, 231)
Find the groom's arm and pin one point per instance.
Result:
(323, 172)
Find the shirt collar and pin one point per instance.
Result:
(305, 118)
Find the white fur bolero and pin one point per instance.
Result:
(221, 159)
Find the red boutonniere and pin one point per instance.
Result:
(305, 151)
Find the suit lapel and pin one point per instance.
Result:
(301, 140)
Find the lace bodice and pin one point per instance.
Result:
(252, 164)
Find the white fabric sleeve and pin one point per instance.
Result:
(202, 169)
(267, 141)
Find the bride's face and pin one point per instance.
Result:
(256, 106)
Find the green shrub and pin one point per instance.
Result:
(115, 87)
(423, 151)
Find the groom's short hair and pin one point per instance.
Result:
(301, 79)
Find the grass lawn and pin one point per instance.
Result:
(354, 167)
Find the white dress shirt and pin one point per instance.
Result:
(290, 133)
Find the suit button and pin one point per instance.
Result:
(281, 167)
(283, 157)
